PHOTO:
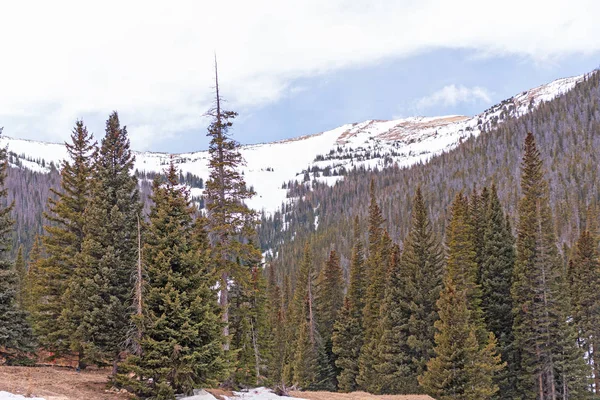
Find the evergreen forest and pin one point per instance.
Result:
(473, 276)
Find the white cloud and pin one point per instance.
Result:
(452, 95)
(152, 60)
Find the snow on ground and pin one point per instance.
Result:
(252, 394)
(200, 395)
(370, 144)
(260, 393)
(10, 396)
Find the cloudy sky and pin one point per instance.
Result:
(288, 67)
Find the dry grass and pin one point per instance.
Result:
(54, 383)
(354, 396)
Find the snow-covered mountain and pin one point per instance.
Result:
(325, 156)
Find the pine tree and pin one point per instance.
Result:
(496, 273)
(466, 362)
(584, 280)
(551, 360)
(461, 369)
(357, 286)
(15, 333)
(305, 358)
(278, 314)
(477, 212)
(98, 300)
(410, 309)
(461, 261)
(347, 337)
(367, 376)
(181, 346)
(252, 335)
(329, 301)
(21, 270)
(34, 281)
(288, 332)
(304, 361)
(390, 367)
(240, 325)
(376, 265)
(231, 224)
(347, 343)
(63, 242)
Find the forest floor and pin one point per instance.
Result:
(355, 396)
(55, 383)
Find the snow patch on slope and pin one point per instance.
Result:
(326, 156)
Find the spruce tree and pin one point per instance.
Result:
(304, 361)
(461, 262)
(357, 285)
(496, 274)
(181, 346)
(277, 313)
(34, 281)
(347, 337)
(329, 301)
(231, 224)
(21, 270)
(15, 333)
(347, 343)
(551, 361)
(288, 332)
(410, 309)
(462, 369)
(584, 281)
(305, 357)
(376, 266)
(390, 367)
(63, 243)
(98, 300)
(466, 363)
(477, 213)
(367, 375)
(252, 336)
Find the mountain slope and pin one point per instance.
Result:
(567, 131)
(327, 156)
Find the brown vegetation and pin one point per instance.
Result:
(355, 396)
(54, 383)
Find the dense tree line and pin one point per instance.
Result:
(490, 314)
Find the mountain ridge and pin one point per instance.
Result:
(324, 156)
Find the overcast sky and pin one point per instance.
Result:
(288, 67)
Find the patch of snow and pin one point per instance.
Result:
(268, 253)
(260, 393)
(200, 394)
(10, 396)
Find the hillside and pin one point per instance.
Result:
(567, 130)
(369, 144)
(274, 169)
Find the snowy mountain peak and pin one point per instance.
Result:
(328, 155)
